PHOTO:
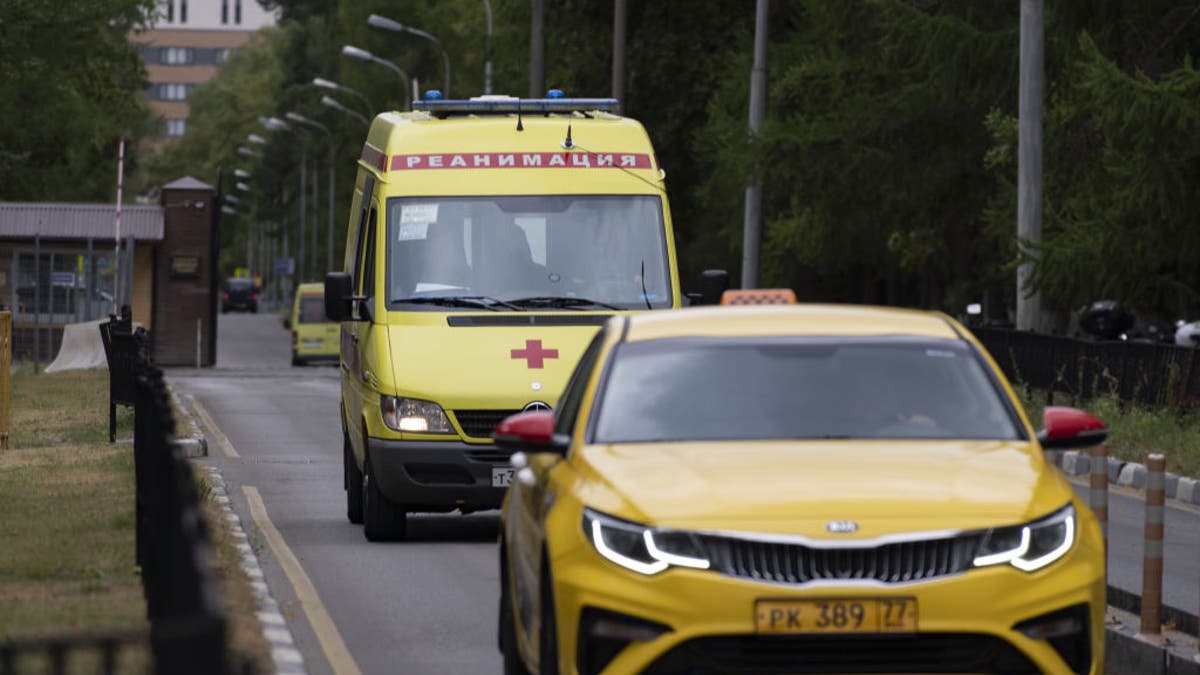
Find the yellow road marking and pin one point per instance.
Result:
(211, 426)
(327, 633)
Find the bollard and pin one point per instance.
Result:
(1152, 565)
(1098, 497)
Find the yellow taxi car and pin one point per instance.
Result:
(314, 337)
(795, 489)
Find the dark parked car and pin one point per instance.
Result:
(239, 293)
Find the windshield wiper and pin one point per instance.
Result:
(562, 301)
(474, 301)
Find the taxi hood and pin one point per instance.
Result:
(798, 487)
(497, 361)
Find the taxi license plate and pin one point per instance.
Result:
(502, 476)
(837, 615)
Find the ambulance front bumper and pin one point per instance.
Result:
(440, 475)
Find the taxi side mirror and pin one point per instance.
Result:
(530, 432)
(338, 296)
(1065, 428)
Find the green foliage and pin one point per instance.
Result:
(69, 82)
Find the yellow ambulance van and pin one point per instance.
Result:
(488, 240)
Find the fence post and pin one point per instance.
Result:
(6, 345)
(1098, 497)
(1152, 565)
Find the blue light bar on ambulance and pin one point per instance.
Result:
(506, 104)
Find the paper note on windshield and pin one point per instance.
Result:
(415, 220)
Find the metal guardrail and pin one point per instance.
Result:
(1158, 375)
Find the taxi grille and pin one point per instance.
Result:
(480, 423)
(793, 563)
(790, 655)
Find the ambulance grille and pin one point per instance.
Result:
(794, 563)
(480, 423)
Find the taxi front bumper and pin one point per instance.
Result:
(611, 620)
(439, 475)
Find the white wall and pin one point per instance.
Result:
(206, 15)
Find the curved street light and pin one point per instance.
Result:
(364, 55)
(276, 124)
(330, 84)
(395, 26)
(241, 173)
(247, 152)
(333, 103)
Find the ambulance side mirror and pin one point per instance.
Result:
(338, 296)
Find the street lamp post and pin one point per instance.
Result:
(330, 84)
(301, 119)
(395, 26)
(364, 55)
(487, 50)
(276, 124)
(333, 103)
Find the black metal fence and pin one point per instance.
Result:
(1152, 374)
(187, 623)
(124, 349)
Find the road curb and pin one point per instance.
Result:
(1132, 474)
(188, 436)
(1127, 653)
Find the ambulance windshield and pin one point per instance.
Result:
(574, 252)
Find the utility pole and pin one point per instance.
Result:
(618, 63)
(752, 229)
(1029, 159)
(537, 49)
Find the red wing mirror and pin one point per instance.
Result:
(528, 431)
(1065, 428)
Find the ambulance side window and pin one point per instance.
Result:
(352, 234)
(366, 272)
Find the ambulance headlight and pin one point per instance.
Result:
(414, 415)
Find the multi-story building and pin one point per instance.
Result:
(185, 47)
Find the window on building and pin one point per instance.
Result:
(170, 11)
(174, 127)
(170, 91)
(237, 12)
(176, 56)
(223, 55)
(182, 11)
(224, 11)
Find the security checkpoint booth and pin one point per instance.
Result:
(63, 263)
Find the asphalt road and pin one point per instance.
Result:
(428, 605)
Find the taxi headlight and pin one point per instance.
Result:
(1029, 547)
(642, 549)
(414, 415)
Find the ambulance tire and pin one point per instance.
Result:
(383, 519)
(352, 480)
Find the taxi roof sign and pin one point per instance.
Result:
(512, 104)
(759, 296)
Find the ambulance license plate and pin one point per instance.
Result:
(502, 476)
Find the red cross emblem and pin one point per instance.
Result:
(534, 354)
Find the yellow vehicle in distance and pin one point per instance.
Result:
(795, 489)
(314, 337)
(488, 240)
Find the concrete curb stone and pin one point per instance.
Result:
(1188, 491)
(1171, 484)
(1114, 469)
(1132, 475)
(1076, 463)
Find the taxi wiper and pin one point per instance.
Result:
(474, 301)
(563, 301)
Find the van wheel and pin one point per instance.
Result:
(352, 482)
(383, 519)
(508, 632)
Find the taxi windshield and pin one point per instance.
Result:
(693, 389)
(525, 252)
